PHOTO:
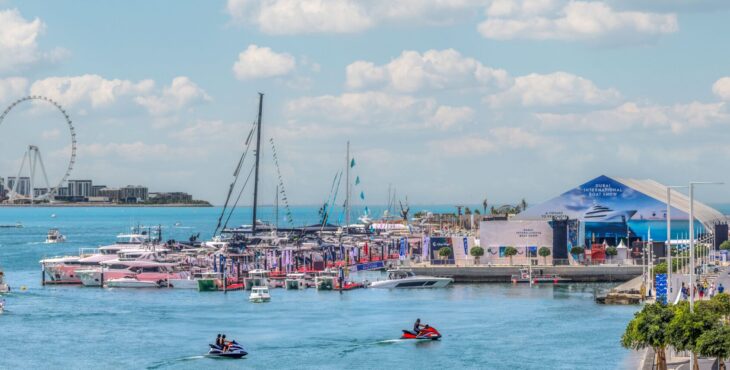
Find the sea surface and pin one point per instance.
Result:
(487, 326)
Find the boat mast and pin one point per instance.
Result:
(258, 156)
(347, 188)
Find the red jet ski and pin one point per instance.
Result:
(428, 332)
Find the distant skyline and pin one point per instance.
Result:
(448, 101)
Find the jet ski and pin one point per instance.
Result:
(235, 350)
(428, 332)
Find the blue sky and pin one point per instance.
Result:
(449, 101)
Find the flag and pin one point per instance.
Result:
(362, 195)
(366, 247)
(352, 163)
(357, 180)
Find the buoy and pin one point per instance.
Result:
(23, 288)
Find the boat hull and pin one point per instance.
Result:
(415, 283)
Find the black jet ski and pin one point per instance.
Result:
(234, 350)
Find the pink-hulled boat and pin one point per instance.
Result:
(62, 270)
(141, 270)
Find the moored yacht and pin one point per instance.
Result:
(296, 281)
(259, 294)
(402, 278)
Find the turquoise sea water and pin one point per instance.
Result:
(489, 326)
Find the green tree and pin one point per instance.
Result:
(510, 252)
(544, 252)
(611, 252)
(720, 304)
(660, 268)
(485, 203)
(715, 343)
(477, 212)
(467, 211)
(445, 252)
(648, 328)
(577, 251)
(686, 327)
(725, 245)
(476, 252)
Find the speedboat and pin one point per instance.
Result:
(428, 332)
(234, 350)
(133, 282)
(259, 294)
(402, 278)
(54, 236)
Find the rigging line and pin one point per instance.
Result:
(281, 183)
(239, 197)
(337, 190)
(235, 177)
(325, 207)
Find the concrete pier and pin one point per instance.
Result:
(503, 274)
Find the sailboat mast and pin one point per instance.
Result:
(347, 188)
(258, 156)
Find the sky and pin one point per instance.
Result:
(446, 101)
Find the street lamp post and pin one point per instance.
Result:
(692, 238)
(692, 358)
(669, 238)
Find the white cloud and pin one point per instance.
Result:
(462, 146)
(18, 42)
(346, 16)
(721, 88)
(515, 137)
(262, 62)
(377, 110)
(434, 69)
(558, 88)
(301, 16)
(12, 88)
(138, 151)
(89, 89)
(572, 20)
(673, 118)
(181, 93)
(214, 131)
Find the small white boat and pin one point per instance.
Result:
(55, 236)
(131, 282)
(259, 294)
(402, 278)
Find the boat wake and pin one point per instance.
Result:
(175, 361)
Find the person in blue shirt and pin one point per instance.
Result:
(720, 288)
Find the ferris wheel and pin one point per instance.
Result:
(34, 160)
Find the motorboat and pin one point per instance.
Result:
(234, 350)
(16, 225)
(191, 281)
(258, 277)
(133, 282)
(61, 270)
(326, 280)
(149, 271)
(427, 333)
(529, 276)
(402, 278)
(259, 294)
(296, 281)
(54, 236)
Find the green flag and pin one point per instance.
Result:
(352, 163)
(357, 180)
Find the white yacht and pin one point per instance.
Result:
(599, 212)
(296, 281)
(259, 294)
(131, 282)
(402, 278)
(55, 236)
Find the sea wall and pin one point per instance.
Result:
(503, 274)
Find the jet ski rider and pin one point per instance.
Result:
(417, 326)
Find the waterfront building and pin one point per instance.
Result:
(79, 188)
(133, 194)
(23, 187)
(111, 194)
(95, 190)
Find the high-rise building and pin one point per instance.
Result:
(95, 190)
(23, 186)
(79, 188)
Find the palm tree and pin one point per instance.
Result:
(484, 205)
(544, 252)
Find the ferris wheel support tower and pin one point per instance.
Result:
(33, 157)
